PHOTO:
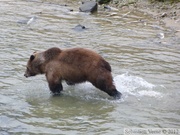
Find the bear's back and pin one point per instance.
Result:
(84, 58)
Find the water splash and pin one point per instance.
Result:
(134, 85)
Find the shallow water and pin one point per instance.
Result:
(145, 69)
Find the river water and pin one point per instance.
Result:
(143, 53)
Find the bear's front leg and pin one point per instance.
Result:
(55, 84)
(55, 88)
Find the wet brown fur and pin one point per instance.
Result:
(74, 65)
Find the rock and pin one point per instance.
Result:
(107, 7)
(28, 21)
(89, 6)
(164, 15)
(160, 35)
(31, 20)
(79, 27)
(100, 2)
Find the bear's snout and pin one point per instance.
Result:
(25, 75)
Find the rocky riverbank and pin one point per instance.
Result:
(165, 12)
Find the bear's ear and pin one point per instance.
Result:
(32, 57)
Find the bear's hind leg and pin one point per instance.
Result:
(105, 83)
(114, 93)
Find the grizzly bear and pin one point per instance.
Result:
(74, 65)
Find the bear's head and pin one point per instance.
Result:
(34, 65)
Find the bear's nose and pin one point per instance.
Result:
(26, 75)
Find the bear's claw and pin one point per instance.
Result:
(116, 94)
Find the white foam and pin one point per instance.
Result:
(135, 85)
(150, 93)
